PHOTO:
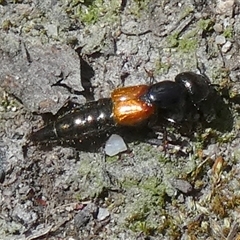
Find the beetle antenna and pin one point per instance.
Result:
(201, 68)
(150, 75)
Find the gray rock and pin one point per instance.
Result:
(103, 213)
(82, 218)
(182, 185)
(115, 145)
(32, 74)
(220, 39)
(226, 47)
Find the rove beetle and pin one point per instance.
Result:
(187, 99)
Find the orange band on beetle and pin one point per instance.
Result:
(131, 112)
(127, 93)
(128, 109)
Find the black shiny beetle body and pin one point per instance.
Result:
(182, 100)
(198, 86)
(187, 99)
(170, 99)
(203, 96)
(83, 121)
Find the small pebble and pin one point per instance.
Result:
(218, 28)
(224, 7)
(226, 47)
(52, 30)
(115, 145)
(24, 214)
(103, 213)
(220, 40)
(182, 185)
(82, 218)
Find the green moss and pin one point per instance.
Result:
(168, 224)
(112, 159)
(142, 4)
(92, 13)
(85, 2)
(9, 228)
(89, 12)
(139, 7)
(5, 103)
(205, 25)
(228, 32)
(129, 183)
(162, 159)
(90, 178)
(150, 203)
(85, 168)
(187, 43)
(173, 39)
(187, 11)
(144, 227)
(139, 213)
(153, 186)
(138, 220)
(78, 197)
(6, 25)
(226, 138)
(211, 134)
(8, 103)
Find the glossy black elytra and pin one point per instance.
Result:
(184, 100)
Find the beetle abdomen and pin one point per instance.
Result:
(86, 120)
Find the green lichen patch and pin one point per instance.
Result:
(140, 217)
(228, 32)
(186, 43)
(139, 6)
(90, 12)
(6, 25)
(206, 25)
(8, 103)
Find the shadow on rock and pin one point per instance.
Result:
(222, 117)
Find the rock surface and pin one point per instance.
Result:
(53, 51)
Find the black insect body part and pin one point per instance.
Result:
(187, 99)
(86, 120)
(202, 94)
(170, 100)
